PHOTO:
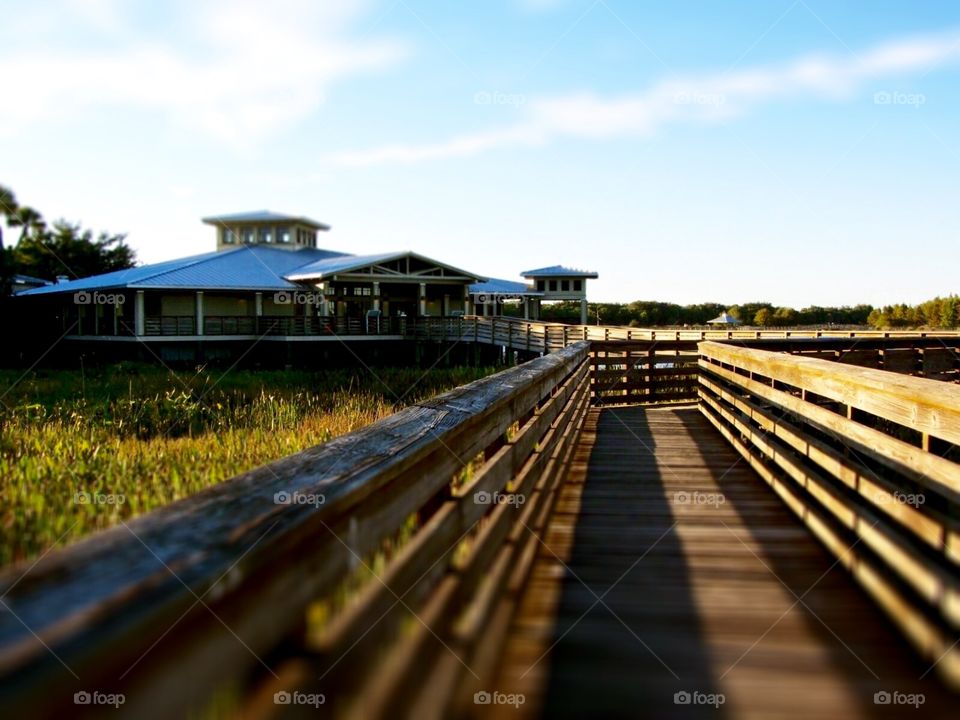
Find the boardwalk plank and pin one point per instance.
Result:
(696, 593)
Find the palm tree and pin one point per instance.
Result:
(8, 207)
(28, 220)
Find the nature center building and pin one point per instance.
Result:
(268, 278)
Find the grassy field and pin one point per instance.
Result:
(81, 451)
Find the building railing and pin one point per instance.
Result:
(868, 461)
(187, 603)
(526, 335)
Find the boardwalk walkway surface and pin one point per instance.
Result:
(670, 567)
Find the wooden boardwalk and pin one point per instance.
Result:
(670, 567)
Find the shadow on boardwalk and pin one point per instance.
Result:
(673, 568)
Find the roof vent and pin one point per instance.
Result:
(62, 278)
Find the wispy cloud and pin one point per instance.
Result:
(238, 70)
(705, 99)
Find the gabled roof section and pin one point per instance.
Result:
(724, 319)
(326, 268)
(559, 271)
(250, 267)
(264, 216)
(496, 286)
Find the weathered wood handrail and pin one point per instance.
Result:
(554, 335)
(183, 600)
(866, 459)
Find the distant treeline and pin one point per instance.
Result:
(942, 313)
(936, 313)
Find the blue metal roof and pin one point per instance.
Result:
(250, 267)
(262, 216)
(30, 280)
(496, 286)
(559, 271)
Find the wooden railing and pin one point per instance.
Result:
(513, 332)
(643, 372)
(259, 581)
(869, 461)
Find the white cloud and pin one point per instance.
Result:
(238, 70)
(705, 99)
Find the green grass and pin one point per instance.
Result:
(81, 452)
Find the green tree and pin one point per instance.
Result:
(784, 317)
(763, 317)
(8, 208)
(28, 220)
(70, 250)
(949, 312)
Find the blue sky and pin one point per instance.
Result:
(795, 151)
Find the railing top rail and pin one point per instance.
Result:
(925, 405)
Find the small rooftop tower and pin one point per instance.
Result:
(263, 227)
(562, 283)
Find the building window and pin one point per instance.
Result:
(266, 235)
(249, 236)
(577, 285)
(361, 291)
(228, 237)
(553, 286)
(283, 235)
(541, 285)
(565, 285)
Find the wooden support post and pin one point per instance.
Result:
(199, 308)
(139, 319)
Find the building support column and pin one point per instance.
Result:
(423, 299)
(583, 311)
(376, 295)
(526, 308)
(139, 318)
(199, 312)
(258, 304)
